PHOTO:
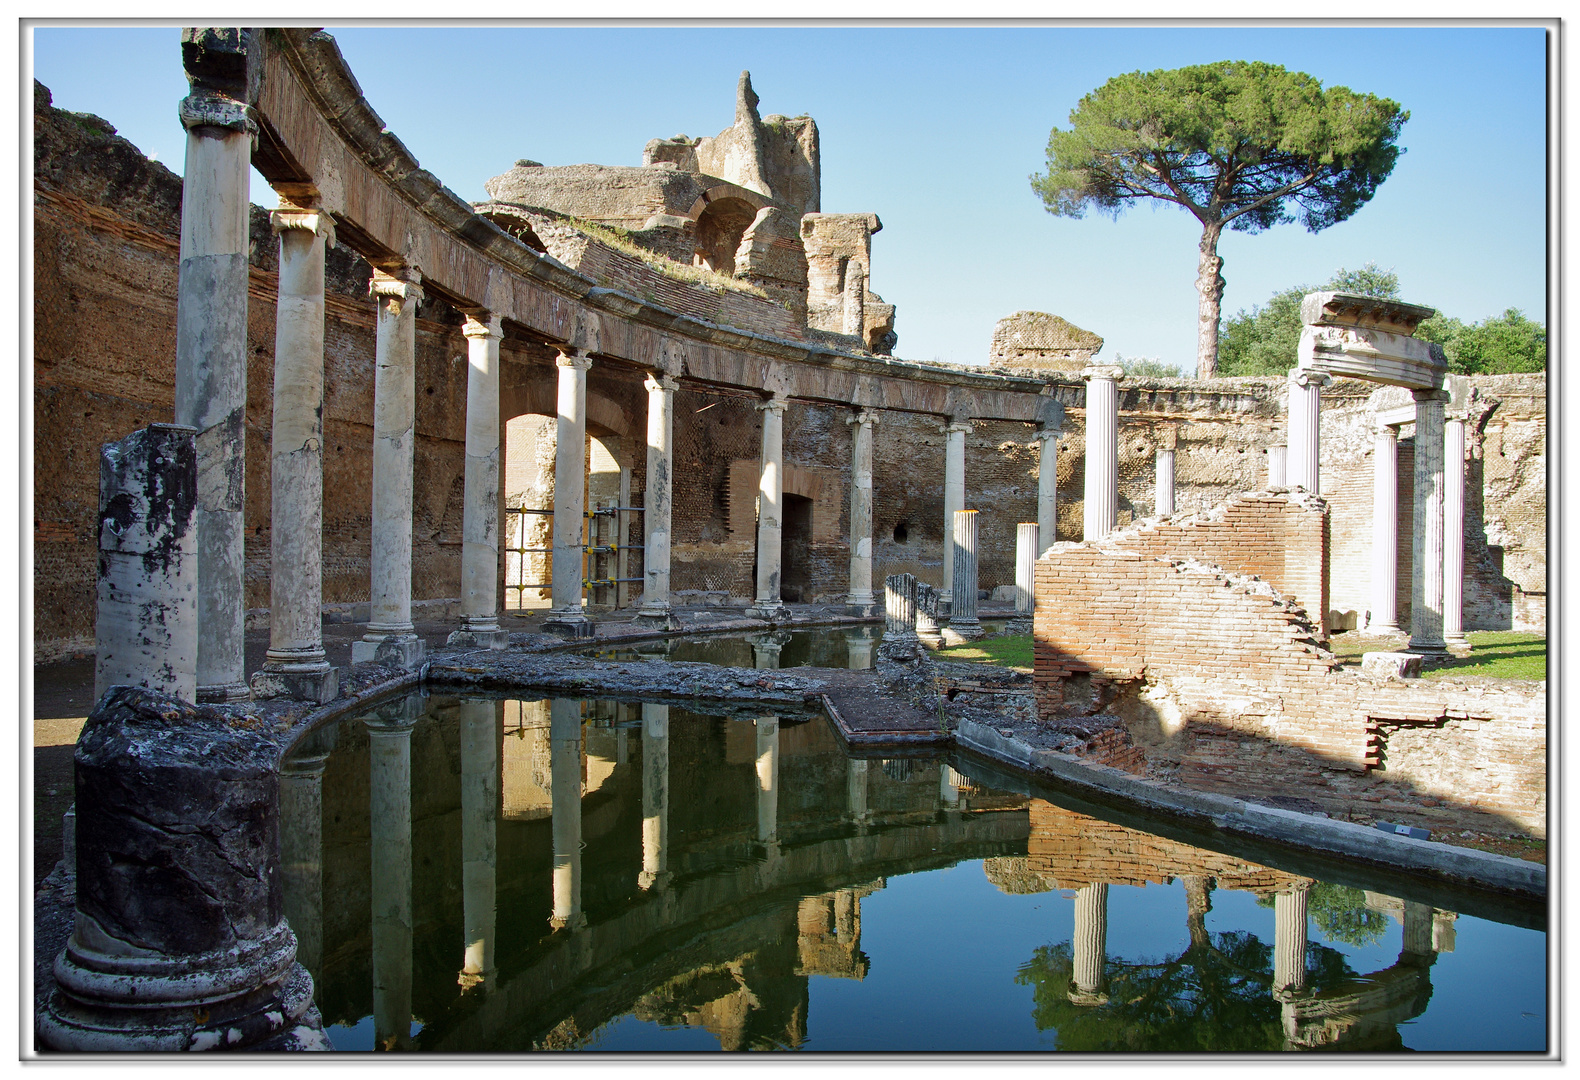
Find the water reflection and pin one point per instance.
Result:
(849, 647)
(472, 875)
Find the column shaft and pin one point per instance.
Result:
(302, 845)
(1165, 483)
(768, 779)
(1426, 593)
(389, 814)
(1102, 452)
(963, 622)
(770, 499)
(861, 601)
(954, 498)
(1305, 429)
(1277, 466)
(659, 498)
(1047, 490)
(480, 734)
(480, 511)
(1027, 541)
(1090, 945)
(570, 502)
(565, 770)
(1289, 940)
(1453, 531)
(1385, 532)
(655, 796)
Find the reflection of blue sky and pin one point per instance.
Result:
(1490, 993)
(359, 1036)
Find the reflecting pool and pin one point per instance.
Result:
(849, 647)
(468, 874)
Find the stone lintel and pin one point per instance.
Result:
(1369, 312)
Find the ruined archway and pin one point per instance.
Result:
(720, 227)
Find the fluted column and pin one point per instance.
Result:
(860, 601)
(211, 355)
(480, 734)
(1385, 532)
(1426, 592)
(1454, 532)
(1047, 489)
(963, 622)
(658, 501)
(389, 815)
(302, 843)
(1277, 466)
(1164, 489)
(655, 797)
(1027, 540)
(1305, 428)
(391, 637)
(1090, 946)
(565, 770)
(480, 513)
(954, 499)
(570, 498)
(1289, 940)
(770, 509)
(296, 664)
(768, 780)
(1102, 451)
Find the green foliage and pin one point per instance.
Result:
(1266, 339)
(1369, 280)
(1147, 367)
(1504, 344)
(1340, 912)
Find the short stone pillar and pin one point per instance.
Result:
(768, 781)
(1163, 487)
(1048, 476)
(658, 502)
(1305, 428)
(1089, 946)
(1027, 541)
(1454, 534)
(1426, 593)
(1384, 617)
(181, 941)
(954, 502)
(963, 622)
(860, 600)
(899, 604)
(211, 336)
(480, 734)
(929, 601)
(655, 798)
(146, 627)
(389, 816)
(567, 617)
(770, 510)
(1277, 466)
(1102, 451)
(565, 772)
(391, 636)
(1289, 941)
(296, 665)
(480, 491)
(302, 842)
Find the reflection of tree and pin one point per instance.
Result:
(1215, 996)
(1340, 912)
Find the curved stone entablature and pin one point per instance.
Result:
(1369, 338)
(626, 196)
(321, 139)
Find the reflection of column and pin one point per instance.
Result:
(860, 642)
(963, 622)
(770, 503)
(1385, 532)
(570, 497)
(1090, 945)
(1047, 488)
(1289, 940)
(768, 780)
(480, 492)
(389, 816)
(1277, 466)
(1453, 530)
(296, 664)
(856, 790)
(948, 787)
(861, 601)
(1102, 451)
(302, 843)
(565, 767)
(1305, 428)
(391, 636)
(766, 648)
(1426, 592)
(1418, 936)
(954, 498)
(658, 501)
(655, 797)
(480, 732)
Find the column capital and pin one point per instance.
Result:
(1045, 433)
(1103, 371)
(311, 219)
(1306, 378)
(404, 284)
(867, 417)
(775, 404)
(483, 325)
(658, 380)
(1430, 395)
(959, 425)
(208, 108)
(573, 358)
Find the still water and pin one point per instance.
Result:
(471, 875)
(849, 647)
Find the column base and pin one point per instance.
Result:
(961, 630)
(223, 693)
(568, 623)
(479, 639)
(573, 923)
(404, 650)
(282, 681)
(772, 610)
(862, 609)
(657, 619)
(927, 631)
(1020, 624)
(653, 880)
(1457, 645)
(1430, 652)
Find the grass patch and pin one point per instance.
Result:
(1499, 654)
(1005, 650)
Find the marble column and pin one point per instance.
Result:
(1277, 466)
(480, 735)
(768, 781)
(963, 622)
(211, 364)
(146, 622)
(655, 797)
(302, 843)
(1102, 451)
(1047, 489)
(1305, 428)
(861, 601)
(480, 511)
(1454, 533)
(389, 815)
(658, 502)
(565, 771)
(1090, 946)
(856, 791)
(570, 498)
(770, 509)
(1426, 592)
(1384, 616)
(295, 664)
(391, 637)
(1289, 940)
(860, 643)
(899, 601)
(954, 501)
(1164, 488)
(1027, 541)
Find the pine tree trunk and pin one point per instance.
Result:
(1209, 284)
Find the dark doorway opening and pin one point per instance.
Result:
(795, 575)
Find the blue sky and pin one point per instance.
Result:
(937, 129)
